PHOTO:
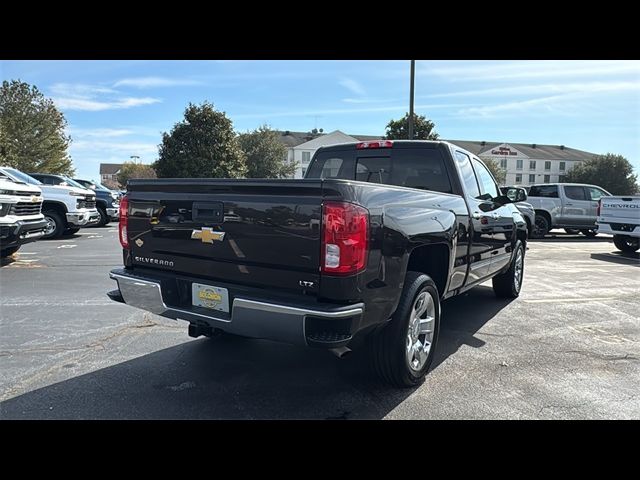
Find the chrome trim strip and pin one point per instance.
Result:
(286, 310)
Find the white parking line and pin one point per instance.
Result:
(67, 246)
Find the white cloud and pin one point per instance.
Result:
(94, 98)
(463, 71)
(70, 103)
(549, 88)
(353, 86)
(555, 104)
(149, 82)
(106, 148)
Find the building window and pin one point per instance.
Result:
(532, 164)
(518, 164)
(563, 166)
(306, 157)
(518, 178)
(503, 163)
(547, 165)
(547, 178)
(532, 178)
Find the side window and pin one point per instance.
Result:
(596, 194)
(468, 176)
(547, 191)
(330, 168)
(373, 169)
(488, 186)
(574, 193)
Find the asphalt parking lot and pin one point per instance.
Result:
(568, 348)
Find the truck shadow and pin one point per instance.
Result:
(565, 237)
(235, 378)
(618, 257)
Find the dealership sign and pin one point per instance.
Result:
(503, 151)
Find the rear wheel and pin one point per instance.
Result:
(7, 252)
(55, 224)
(402, 350)
(589, 233)
(626, 244)
(541, 226)
(509, 283)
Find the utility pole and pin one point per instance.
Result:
(135, 158)
(411, 92)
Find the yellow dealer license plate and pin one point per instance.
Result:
(207, 296)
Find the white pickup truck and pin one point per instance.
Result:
(620, 217)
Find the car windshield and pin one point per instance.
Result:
(73, 183)
(99, 186)
(18, 176)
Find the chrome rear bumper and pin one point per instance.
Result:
(248, 317)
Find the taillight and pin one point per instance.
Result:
(376, 144)
(598, 207)
(124, 221)
(345, 238)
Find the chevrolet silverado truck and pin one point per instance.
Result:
(571, 206)
(358, 253)
(65, 208)
(620, 217)
(21, 220)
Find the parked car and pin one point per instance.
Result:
(571, 206)
(107, 201)
(518, 195)
(620, 217)
(21, 219)
(382, 232)
(66, 209)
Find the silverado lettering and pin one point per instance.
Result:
(380, 231)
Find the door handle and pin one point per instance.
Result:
(569, 204)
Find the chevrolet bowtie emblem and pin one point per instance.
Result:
(207, 235)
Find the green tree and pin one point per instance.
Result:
(203, 145)
(32, 137)
(496, 170)
(422, 128)
(131, 170)
(612, 172)
(266, 154)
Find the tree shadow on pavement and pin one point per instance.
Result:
(235, 378)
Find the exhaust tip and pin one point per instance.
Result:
(340, 352)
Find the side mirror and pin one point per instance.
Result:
(516, 194)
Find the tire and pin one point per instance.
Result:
(104, 218)
(71, 231)
(509, 283)
(56, 226)
(7, 252)
(572, 231)
(589, 233)
(388, 346)
(541, 227)
(626, 244)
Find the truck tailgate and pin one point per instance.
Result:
(239, 231)
(620, 209)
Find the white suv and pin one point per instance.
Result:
(66, 209)
(21, 220)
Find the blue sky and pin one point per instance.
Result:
(116, 109)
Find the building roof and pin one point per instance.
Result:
(293, 139)
(539, 152)
(110, 168)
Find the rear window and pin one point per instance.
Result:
(548, 191)
(574, 193)
(414, 168)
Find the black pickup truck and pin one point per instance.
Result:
(359, 252)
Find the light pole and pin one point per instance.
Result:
(134, 158)
(411, 91)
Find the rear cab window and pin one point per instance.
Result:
(574, 192)
(547, 191)
(421, 168)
